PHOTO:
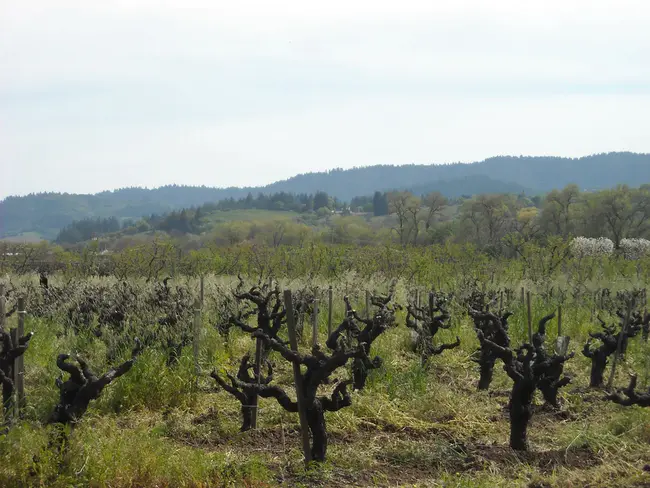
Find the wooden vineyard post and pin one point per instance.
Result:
(7, 403)
(501, 302)
(530, 318)
(593, 307)
(628, 314)
(196, 333)
(562, 342)
(644, 305)
(314, 323)
(19, 362)
(14, 338)
(202, 290)
(523, 299)
(367, 304)
(602, 299)
(297, 376)
(416, 302)
(647, 344)
(259, 352)
(432, 304)
(2, 305)
(330, 293)
(647, 350)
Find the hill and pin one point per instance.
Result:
(537, 174)
(45, 214)
(469, 185)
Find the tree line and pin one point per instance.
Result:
(191, 220)
(496, 222)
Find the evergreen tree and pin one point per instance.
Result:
(321, 199)
(380, 204)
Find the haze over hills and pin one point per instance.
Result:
(45, 214)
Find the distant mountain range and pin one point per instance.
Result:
(44, 214)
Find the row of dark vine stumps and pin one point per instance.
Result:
(531, 366)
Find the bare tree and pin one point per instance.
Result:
(557, 210)
(625, 212)
(435, 203)
(406, 207)
(493, 211)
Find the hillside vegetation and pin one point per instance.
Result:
(45, 214)
(500, 223)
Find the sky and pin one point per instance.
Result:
(102, 95)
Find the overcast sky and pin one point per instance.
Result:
(100, 95)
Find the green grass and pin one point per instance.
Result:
(411, 426)
(31, 237)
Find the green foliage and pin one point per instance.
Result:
(162, 425)
(84, 230)
(151, 385)
(321, 199)
(380, 204)
(46, 214)
(499, 224)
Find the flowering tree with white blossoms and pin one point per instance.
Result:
(635, 248)
(590, 246)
